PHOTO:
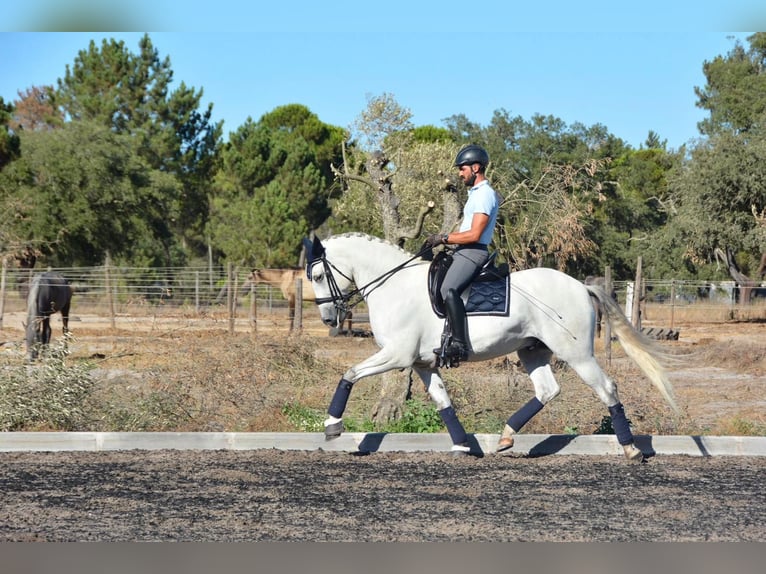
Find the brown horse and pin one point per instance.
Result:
(285, 280)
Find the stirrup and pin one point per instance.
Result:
(450, 354)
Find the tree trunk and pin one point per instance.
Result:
(744, 283)
(394, 393)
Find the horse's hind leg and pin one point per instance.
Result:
(536, 361)
(65, 318)
(65, 323)
(594, 376)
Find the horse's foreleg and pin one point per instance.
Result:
(333, 425)
(46, 330)
(536, 361)
(438, 393)
(380, 362)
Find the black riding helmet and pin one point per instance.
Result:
(472, 154)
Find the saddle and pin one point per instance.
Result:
(488, 293)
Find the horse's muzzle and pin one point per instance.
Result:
(333, 319)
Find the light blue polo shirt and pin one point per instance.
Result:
(481, 199)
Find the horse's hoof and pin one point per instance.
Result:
(632, 453)
(333, 430)
(462, 449)
(504, 443)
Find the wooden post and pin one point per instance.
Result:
(196, 292)
(298, 318)
(672, 302)
(636, 314)
(253, 308)
(230, 295)
(109, 297)
(607, 326)
(210, 265)
(2, 291)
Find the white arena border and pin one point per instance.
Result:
(526, 444)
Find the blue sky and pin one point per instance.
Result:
(630, 70)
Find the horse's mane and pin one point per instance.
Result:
(371, 238)
(34, 288)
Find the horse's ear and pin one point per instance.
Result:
(307, 248)
(314, 250)
(317, 248)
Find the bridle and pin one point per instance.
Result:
(343, 301)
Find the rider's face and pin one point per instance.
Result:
(467, 174)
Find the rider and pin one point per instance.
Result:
(475, 233)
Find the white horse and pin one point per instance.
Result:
(550, 313)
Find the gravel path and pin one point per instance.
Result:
(273, 495)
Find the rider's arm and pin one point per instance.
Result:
(478, 223)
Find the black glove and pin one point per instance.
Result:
(436, 239)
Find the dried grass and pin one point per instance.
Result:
(206, 379)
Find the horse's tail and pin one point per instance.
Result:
(637, 346)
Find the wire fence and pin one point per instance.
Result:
(119, 292)
(114, 290)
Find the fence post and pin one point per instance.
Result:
(672, 302)
(607, 326)
(636, 314)
(109, 298)
(230, 295)
(2, 292)
(253, 308)
(298, 319)
(196, 292)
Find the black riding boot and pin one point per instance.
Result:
(458, 346)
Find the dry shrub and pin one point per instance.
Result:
(47, 395)
(236, 385)
(742, 356)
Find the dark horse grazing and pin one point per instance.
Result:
(49, 293)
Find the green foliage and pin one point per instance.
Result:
(564, 204)
(130, 94)
(431, 134)
(273, 186)
(82, 191)
(303, 418)
(49, 395)
(9, 141)
(719, 196)
(734, 91)
(740, 426)
(417, 417)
